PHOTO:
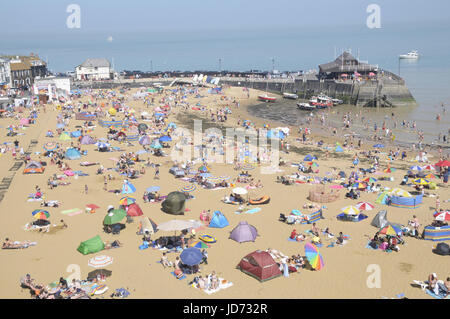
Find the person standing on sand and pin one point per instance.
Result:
(156, 172)
(85, 189)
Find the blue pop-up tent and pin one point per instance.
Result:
(72, 153)
(218, 220)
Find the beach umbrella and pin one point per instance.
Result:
(359, 185)
(100, 261)
(431, 176)
(50, 146)
(99, 272)
(178, 224)
(191, 256)
(350, 210)
(442, 215)
(40, 214)
(224, 178)
(445, 163)
(365, 206)
(153, 189)
(400, 192)
(114, 216)
(188, 188)
(165, 138)
(314, 257)
(421, 181)
(199, 244)
(309, 158)
(144, 140)
(203, 169)
(428, 167)
(390, 230)
(389, 170)
(248, 167)
(214, 179)
(205, 175)
(415, 168)
(378, 145)
(127, 200)
(240, 191)
(370, 180)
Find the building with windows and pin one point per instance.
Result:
(94, 69)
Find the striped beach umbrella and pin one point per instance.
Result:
(188, 188)
(359, 185)
(390, 230)
(428, 167)
(213, 179)
(389, 170)
(50, 146)
(421, 181)
(248, 167)
(399, 192)
(431, 176)
(127, 200)
(442, 216)
(100, 261)
(40, 214)
(365, 206)
(370, 180)
(224, 178)
(415, 168)
(314, 257)
(350, 210)
(199, 244)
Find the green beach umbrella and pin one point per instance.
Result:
(114, 216)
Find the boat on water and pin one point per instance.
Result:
(410, 55)
(267, 98)
(291, 96)
(306, 106)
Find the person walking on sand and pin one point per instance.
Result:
(85, 189)
(105, 183)
(156, 172)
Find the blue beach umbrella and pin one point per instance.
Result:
(378, 146)
(191, 256)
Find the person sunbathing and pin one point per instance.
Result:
(293, 234)
(165, 262)
(315, 230)
(114, 244)
(201, 284)
(214, 281)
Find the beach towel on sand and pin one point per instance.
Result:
(432, 294)
(173, 274)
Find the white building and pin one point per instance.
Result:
(94, 69)
(5, 72)
(53, 87)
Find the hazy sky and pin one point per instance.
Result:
(158, 15)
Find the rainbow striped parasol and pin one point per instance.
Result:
(314, 257)
(40, 214)
(127, 200)
(188, 188)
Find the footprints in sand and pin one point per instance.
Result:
(405, 267)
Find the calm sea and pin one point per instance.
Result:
(292, 49)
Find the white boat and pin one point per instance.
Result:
(267, 98)
(306, 106)
(337, 102)
(290, 96)
(411, 55)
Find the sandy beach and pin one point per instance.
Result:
(344, 274)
